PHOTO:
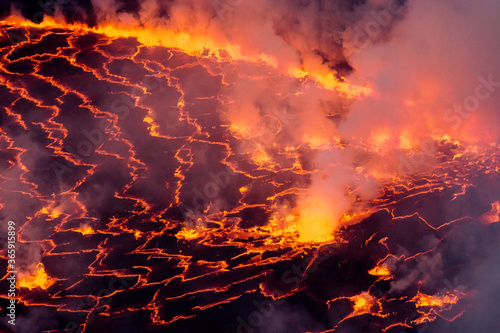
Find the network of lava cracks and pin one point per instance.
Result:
(107, 213)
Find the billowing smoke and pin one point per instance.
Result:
(437, 75)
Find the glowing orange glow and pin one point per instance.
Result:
(52, 213)
(320, 141)
(189, 234)
(380, 271)
(329, 81)
(152, 127)
(39, 279)
(85, 230)
(152, 36)
(195, 45)
(260, 156)
(315, 224)
(380, 141)
(362, 304)
(405, 142)
(423, 300)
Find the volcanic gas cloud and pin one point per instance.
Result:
(250, 166)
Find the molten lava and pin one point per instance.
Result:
(184, 181)
(38, 279)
